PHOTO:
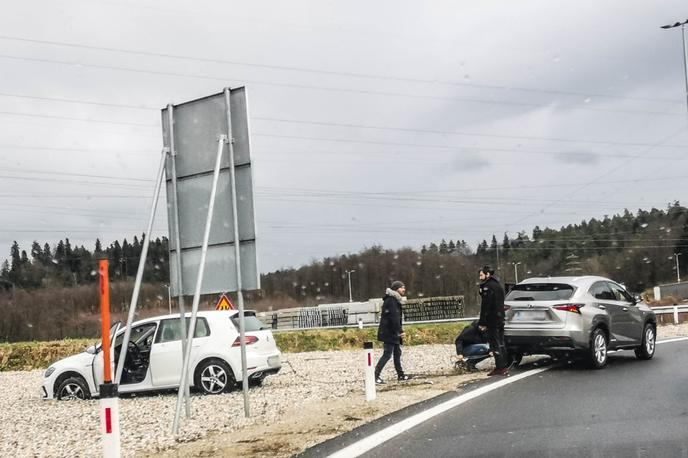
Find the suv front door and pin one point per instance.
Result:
(605, 300)
(629, 322)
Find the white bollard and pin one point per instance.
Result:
(109, 420)
(675, 314)
(369, 371)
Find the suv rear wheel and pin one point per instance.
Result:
(646, 350)
(597, 353)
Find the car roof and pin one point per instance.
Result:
(576, 281)
(201, 313)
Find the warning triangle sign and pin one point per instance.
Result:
(224, 303)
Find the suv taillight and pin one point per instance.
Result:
(575, 308)
(248, 339)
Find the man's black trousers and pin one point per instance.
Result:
(495, 337)
(390, 349)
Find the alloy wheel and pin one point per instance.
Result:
(72, 391)
(649, 340)
(214, 379)
(600, 348)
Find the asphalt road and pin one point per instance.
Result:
(631, 408)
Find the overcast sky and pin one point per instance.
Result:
(393, 123)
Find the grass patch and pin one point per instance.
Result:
(23, 356)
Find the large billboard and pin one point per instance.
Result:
(191, 130)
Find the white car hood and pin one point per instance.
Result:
(82, 359)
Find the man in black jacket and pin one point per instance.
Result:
(492, 318)
(471, 347)
(390, 331)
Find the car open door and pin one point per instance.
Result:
(98, 367)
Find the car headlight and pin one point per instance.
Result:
(49, 372)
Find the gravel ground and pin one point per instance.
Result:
(30, 426)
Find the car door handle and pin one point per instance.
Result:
(625, 309)
(600, 306)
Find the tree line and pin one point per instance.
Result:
(636, 249)
(67, 265)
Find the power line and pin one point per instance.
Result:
(596, 179)
(78, 150)
(69, 118)
(77, 182)
(333, 73)
(417, 145)
(333, 124)
(225, 80)
(482, 189)
(75, 101)
(444, 132)
(45, 172)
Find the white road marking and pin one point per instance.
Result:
(372, 441)
(676, 339)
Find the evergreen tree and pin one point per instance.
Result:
(47, 254)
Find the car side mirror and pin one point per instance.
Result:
(91, 350)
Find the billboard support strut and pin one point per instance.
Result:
(184, 380)
(139, 272)
(237, 255)
(177, 240)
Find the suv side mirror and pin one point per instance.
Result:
(91, 350)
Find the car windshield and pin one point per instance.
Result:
(540, 292)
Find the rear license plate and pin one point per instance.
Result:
(530, 315)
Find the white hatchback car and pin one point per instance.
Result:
(154, 357)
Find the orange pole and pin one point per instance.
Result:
(105, 317)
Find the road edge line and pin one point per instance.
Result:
(372, 441)
(674, 339)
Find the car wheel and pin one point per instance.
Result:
(598, 349)
(646, 350)
(214, 376)
(72, 388)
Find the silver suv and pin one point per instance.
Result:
(577, 316)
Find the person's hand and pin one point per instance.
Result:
(403, 334)
(460, 357)
(482, 328)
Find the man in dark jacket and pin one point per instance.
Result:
(390, 331)
(471, 347)
(492, 318)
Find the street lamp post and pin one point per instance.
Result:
(678, 275)
(683, 41)
(348, 273)
(515, 264)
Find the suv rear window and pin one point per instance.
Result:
(251, 323)
(540, 292)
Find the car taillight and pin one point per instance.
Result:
(575, 308)
(248, 339)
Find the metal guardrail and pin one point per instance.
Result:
(674, 309)
(370, 325)
(663, 310)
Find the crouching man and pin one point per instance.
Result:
(471, 347)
